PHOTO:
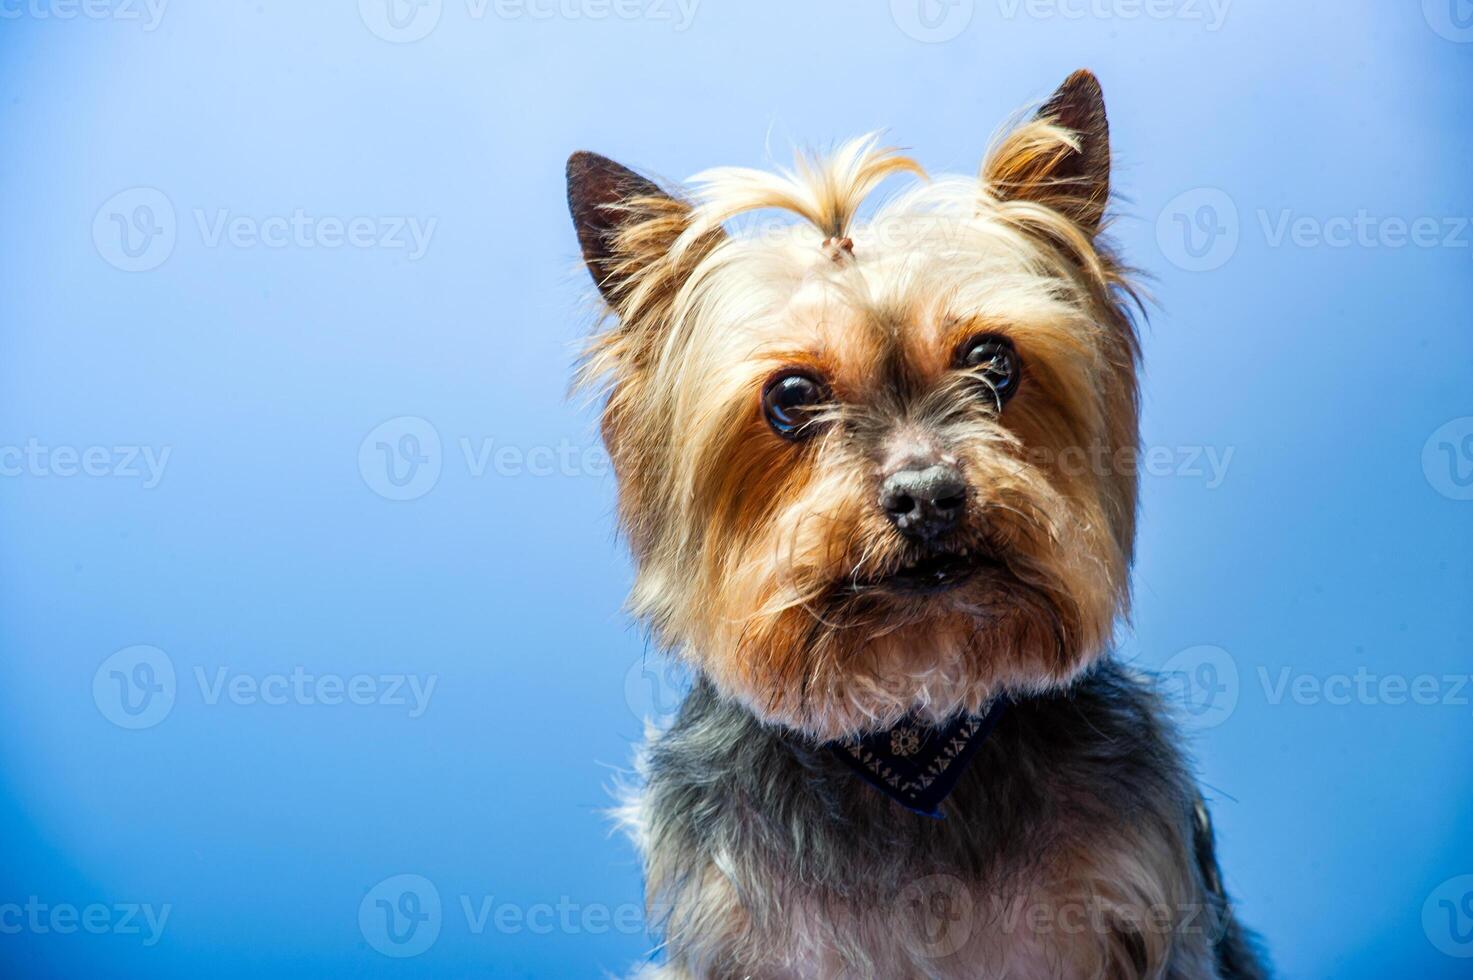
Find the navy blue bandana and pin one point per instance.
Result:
(918, 765)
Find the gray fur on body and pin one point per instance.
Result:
(1074, 846)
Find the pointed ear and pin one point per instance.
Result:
(1062, 158)
(604, 198)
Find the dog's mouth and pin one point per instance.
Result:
(930, 574)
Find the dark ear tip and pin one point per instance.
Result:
(581, 162)
(1079, 103)
(1080, 94)
(1083, 82)
(596, 177)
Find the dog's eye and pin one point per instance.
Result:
(993, 361)
(789, 402)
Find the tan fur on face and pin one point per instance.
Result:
(746, 543)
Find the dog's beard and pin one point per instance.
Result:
(926, 635)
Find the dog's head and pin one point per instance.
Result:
(870, 468)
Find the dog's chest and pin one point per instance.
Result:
(945, 928)
(1117, 913)
(1064, 853)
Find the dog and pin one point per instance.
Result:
(878, 479)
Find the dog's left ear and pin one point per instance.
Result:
(1062, 158)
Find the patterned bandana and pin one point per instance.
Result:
(918, 765)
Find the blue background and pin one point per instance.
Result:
(1326, 548)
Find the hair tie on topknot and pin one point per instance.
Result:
(838, 248)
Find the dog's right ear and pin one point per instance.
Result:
(625, 222)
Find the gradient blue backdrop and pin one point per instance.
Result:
(1336, 541)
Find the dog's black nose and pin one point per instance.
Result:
(925, 502)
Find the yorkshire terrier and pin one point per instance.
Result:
(878, 477)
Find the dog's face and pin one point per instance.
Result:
(881, 468)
